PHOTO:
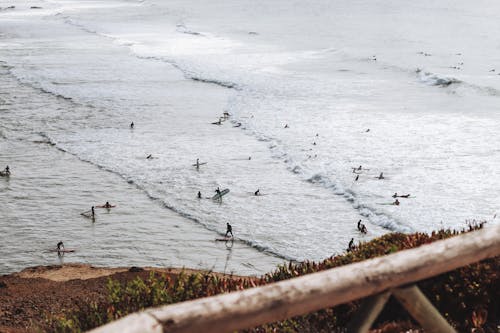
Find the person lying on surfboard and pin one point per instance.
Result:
(229, 230)
(400, 196)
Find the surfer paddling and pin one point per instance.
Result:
(395, 195)
(150, 156)
(257, 193)
(229, 230)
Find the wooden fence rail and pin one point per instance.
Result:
(305, 294)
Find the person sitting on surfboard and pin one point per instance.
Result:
(229, 230)
(396, 203)
(257, 192)
(199, 195)
(60, 246)
(6, 171)
(150, 156)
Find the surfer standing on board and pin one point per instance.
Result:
(229, 230)
(199, 194)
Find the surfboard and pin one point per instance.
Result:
(111, 206)
(224, 239)
(202, 163)
(63, 251)
(222, 193)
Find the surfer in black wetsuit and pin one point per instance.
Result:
(359, 225)
(217, 190)
(286, 125)
(356, 179)
(107, 205)
(150, 156)
(350, 247)
(199, 195)
(257, 192)
(229, 230)
(60, 246)
(92, 212)
(197, 163)
(395, 195)
(396, 203)
(132, 125)
(6, 171)
(363, 229)
(381, 176)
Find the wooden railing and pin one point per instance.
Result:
(378, 277)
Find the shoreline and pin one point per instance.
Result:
(26, 296)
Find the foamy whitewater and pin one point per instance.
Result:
(313, 89)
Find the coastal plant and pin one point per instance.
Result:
(468, 297)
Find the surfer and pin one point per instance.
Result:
(381, 176)
(359, 225)
(92, 212)
(395, 195)
(405, 196)
(150, 156)
(199, 195)
(286, 125)
(6, 171)
(60, 246)
(363, 229)
(217, 190)
(249, 158)
(257, 192)
(396, 203)
(229, 230)
(107, 205)
(237, 125)
(350, 247)
(367, 130)
(197, 163)
(219, 122)
(356, 179)
(132, 125)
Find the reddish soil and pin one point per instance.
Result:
(26, 297)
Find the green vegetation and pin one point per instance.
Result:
(468, 297)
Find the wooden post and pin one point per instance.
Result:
(422, 310)
(368, 312)
(305, 294)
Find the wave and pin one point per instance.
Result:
(435, 80)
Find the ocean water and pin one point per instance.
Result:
(313, 89)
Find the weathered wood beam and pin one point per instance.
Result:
(368, 312)
(305, 294)
(422, 310)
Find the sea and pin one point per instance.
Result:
(309, 102)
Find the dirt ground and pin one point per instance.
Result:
(26, 297)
